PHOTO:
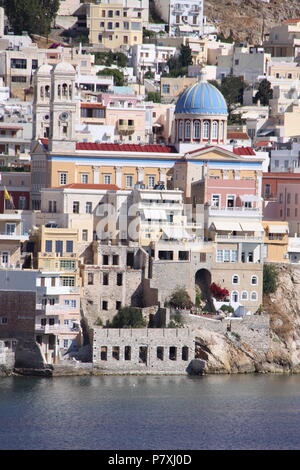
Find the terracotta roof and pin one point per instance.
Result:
(91, 146)
(244, 151)
(237, 135)
(264, 143)
(89, 186)
(293, 20)
(92, 105)
(125, 147)
(11, 128)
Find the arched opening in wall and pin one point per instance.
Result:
(203, 281)
(185, 353)
(65, 89)
(47, 91)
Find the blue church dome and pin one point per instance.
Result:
(201, 98)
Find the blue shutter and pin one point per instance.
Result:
(69, 246)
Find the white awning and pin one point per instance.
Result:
(171, 197)
(155, 214)
(153, 197)
(176, 233)
(227, 226)
(278, 229)
(251, 227)
(186, 28)
(249, 198)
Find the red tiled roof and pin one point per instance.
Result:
(89, 186)
(237, 135)
(91, 146)
(125, 147)
(11, 128)
(92, 105)
(293, 20)
(244, 151)
(264, 143)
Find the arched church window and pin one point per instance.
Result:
(196, 130)
(42, 92)
(47, 91)
(180, 130)
(206, 129)
(59, 90)
(65, 89)
(70, 91)
(187, 133)
(221, 128)
(215, 130)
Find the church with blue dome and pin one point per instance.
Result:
(201, 115)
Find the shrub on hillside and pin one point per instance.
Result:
(269, 279)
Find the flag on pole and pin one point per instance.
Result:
(8, 197)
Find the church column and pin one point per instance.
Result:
(96, 174)
(118, 173)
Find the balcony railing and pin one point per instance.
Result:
(48, 329)
(236, 238)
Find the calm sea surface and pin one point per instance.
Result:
(212, 412)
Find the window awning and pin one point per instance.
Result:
(171, 197)
(177, 233)
(251, 227)
(153, 197)
(227, 226)
(278, 229)
(155, 214)
(249, 198)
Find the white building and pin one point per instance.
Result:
(150, 58)
(183, 16)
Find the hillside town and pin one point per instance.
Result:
(149, 169)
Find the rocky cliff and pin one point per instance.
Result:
(230, 352)
(247, 20)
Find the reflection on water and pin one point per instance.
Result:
(150, 412)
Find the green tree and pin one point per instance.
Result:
(153, 96)
(180, 299)
(128, 317)
(33, 16)
(232, 89)
(269, 279)
(185, 56)
(119, 79)
(265, 93)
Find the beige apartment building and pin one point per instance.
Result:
(171, 88)
(116, 24)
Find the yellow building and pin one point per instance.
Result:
(276, 240)
(115, 25)
(56, 249)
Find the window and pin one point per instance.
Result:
(63, 178)
(166, 88)
(52, 206)
(75, 207)
(254, 280)
(206, 130)
(105, 260)
(254, 295)
(151, 181)
(10, 229)
(115, 260)
(18, 63)
(4, 258)
(67, 265)
(69, 246)
(118, 304)
(104, 305)
(244, 295)
(59, 247)
(219, 256)
(34, 64)
(90, 279)
(129, 181)
(235, 279)
(18, 79)
(180, 130)
(22, 202)
(127, 353)
(185, 353)
(215, 130)
(48, 246)
(88, 207)
(68, 281)
(119, 279)
(187, 133)
(107, 179)
(160, 353)
(172, 353)
(84, 235)
(235, 296)
(226, 256)
(233, 256)
(215, 200)
(196, 130)
(105, 279)
(103, 353)
(84, 178)
(66, 343)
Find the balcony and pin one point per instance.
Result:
(125, 129)
(239, 238)
(56, 309)
(235, 211)
(57, 290)
(56, 329)
(14, 236)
